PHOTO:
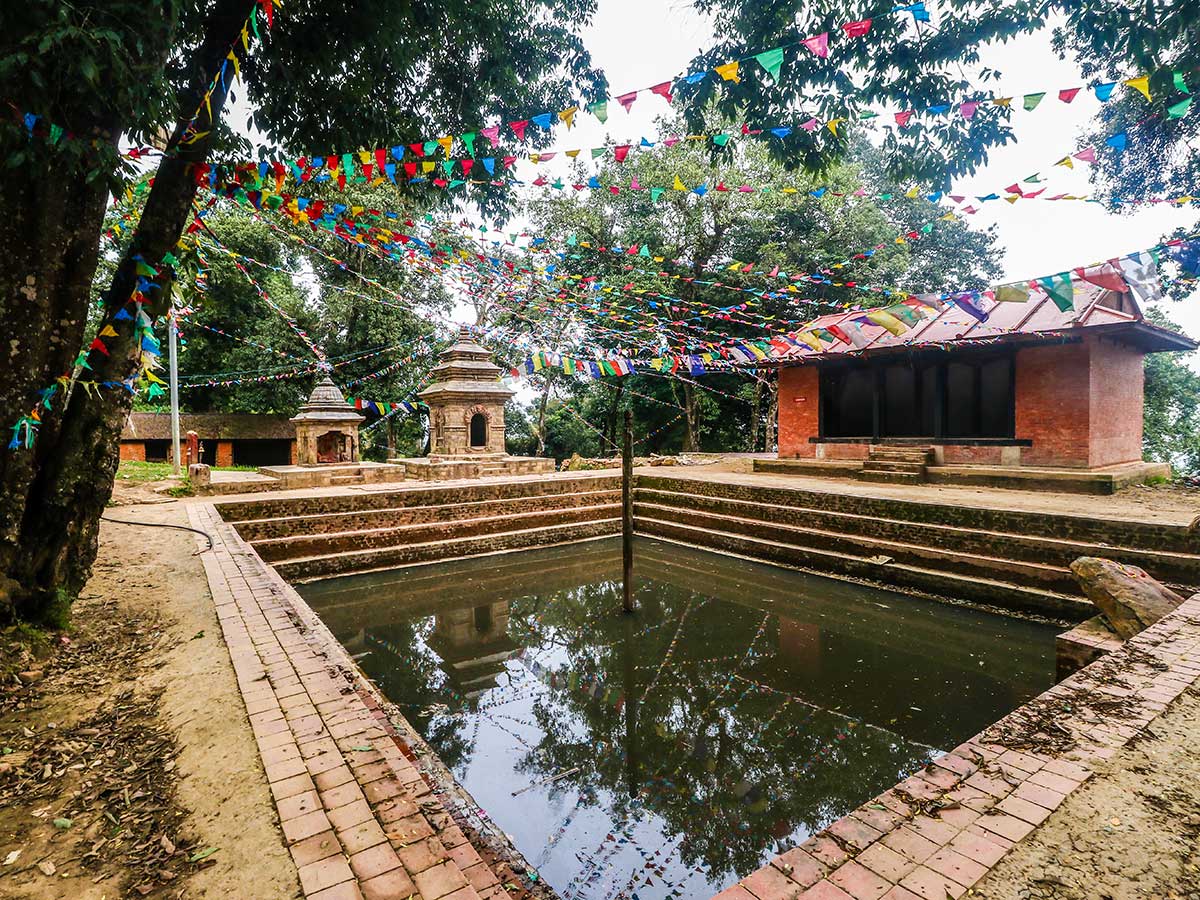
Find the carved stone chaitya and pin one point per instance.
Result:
(466, 403)
(326, 427)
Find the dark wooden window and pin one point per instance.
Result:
(971, 397)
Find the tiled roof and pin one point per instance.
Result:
(1036, 319)
(147, 426)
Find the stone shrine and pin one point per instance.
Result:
(466, 419)
(326, 427)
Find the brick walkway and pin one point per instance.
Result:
(896, 847)
(358, 816)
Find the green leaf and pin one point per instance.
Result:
(202, 854)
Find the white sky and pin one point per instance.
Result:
(643, 42)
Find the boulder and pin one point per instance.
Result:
(1128, 598)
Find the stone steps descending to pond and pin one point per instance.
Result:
(1002, 557)
(336, 534)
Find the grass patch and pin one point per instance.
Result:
(132, 470)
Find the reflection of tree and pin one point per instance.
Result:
(717, 770)
(726, 768)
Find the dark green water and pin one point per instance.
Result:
(741, 709)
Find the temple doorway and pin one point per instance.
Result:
(478, 431)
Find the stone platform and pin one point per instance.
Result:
(1107, 480)
(448, 468)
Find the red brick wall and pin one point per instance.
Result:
(1116, 401)
(1054, 403)
(797, 411)
(133, 451)
(224, 454)
(293, 457)
(965, 456)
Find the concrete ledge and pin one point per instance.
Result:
(1083, 645)
(938, 832)
(1071, 481)
(828, 468)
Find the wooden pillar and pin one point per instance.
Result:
(627, 514)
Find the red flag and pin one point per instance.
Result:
(626, 100)
(519, 128)
(619, 153)
(663, 90)
(857, 29)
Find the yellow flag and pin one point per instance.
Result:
(809, 338)
(568, 115)
(108, 331)
(832, 124)
(1140, 84)
(729, 71)
(1066, 161)
(446, 142)
(886, 320)
(364, 156)
(911, 193)
(535, 158)
(571, 153)
(679, 186)
(1002, 101)
(426, 166)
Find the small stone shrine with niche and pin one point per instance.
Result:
(466, 419)
(326, 427)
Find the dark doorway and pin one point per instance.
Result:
(478, 430)
(329, 447)
(158, 450)
(262, 452)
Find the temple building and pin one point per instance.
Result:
(326, 427)
(1006, 384)
(466, 419)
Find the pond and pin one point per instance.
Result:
(669, 753)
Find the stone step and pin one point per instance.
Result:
(1169, 566)
(891, 477)
(324, 566)
(348, 479)
(391, 517)
(1020, 572)
(274, 550)
(416, 495)
(918, 454)
(936, 582)
(1061, 526)
(893, 465)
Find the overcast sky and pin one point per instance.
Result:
(643, 42)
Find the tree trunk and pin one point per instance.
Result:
(53, 495)
(614, 408)
(691, 410)
(754, 417)
(541, 422)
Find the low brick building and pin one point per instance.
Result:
(1024, 383)
(226, 439)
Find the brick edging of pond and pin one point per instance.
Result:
(357, 814)
(935, 834)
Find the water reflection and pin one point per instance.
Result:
(672, 752)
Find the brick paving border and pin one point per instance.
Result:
(359, 819)
(897, 847)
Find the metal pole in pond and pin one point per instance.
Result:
(627, 514)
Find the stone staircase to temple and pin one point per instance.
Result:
(321, 536)
(895, 464)
(1011, 559)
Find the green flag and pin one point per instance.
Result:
(1180, 109)
(599, 110)
(1032, 100)
(469, 140)
(1180, 84)
(655, 193)
(1061, 290)
(771, 60)
(721, 139)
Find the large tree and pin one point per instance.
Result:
(77, 77)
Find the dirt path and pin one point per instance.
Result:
(133, 771)
(1133, 831)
